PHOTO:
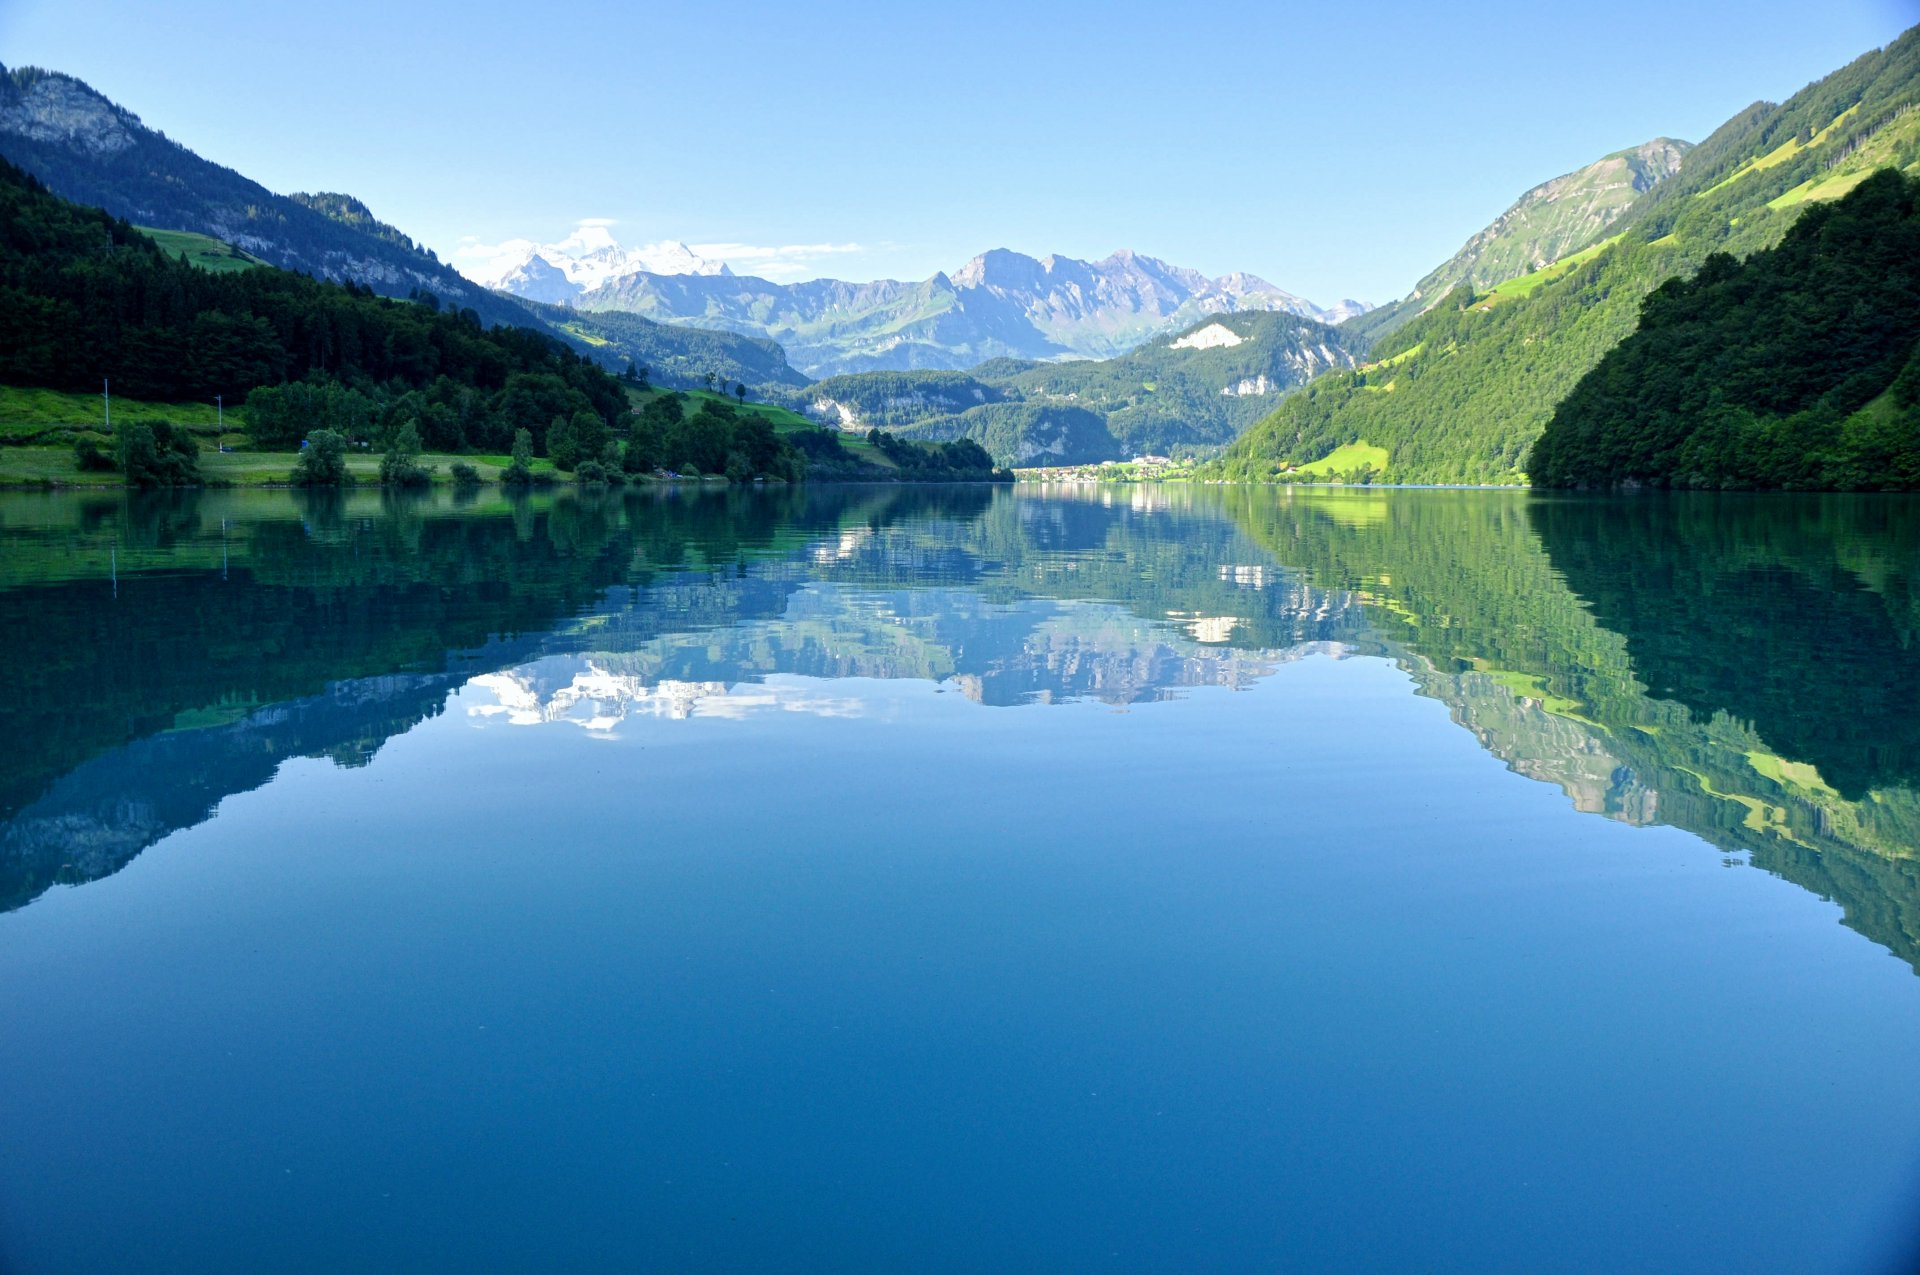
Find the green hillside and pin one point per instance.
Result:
(673, 354)
(1459, 394)
(1193, 390)
(1543, 226)
(1799, 367)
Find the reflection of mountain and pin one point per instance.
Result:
(169, 652)
(1779, 626)
(1740, 669)
(1721, 747)
(98, 816)
(1030, 651)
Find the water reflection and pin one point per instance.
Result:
(1743, 668)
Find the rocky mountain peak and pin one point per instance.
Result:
(46, 106)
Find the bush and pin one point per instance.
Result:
(323, 461)
(463, 474)
(87, 454)
(590, 471)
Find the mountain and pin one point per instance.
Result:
(1799, 367)
(674, 355)
(1460, 393)
(1196, 388)
(87, 149)
(559, 273)
(1001, 304)
(1550, 221)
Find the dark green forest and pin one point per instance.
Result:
(1797, 368)
(85, 297)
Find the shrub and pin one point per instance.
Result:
(323, 461)
(87, 454)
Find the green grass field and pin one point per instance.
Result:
(29, 415)
(41, 466)
(1346, 458)
(1514, 289)
(201, 250)
(38, 428)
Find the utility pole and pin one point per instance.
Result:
(220, 426)
(106, 393)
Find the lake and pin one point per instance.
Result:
(959, 879)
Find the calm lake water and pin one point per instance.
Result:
(947, 879)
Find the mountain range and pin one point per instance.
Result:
(1196, 388)
(1001, 304)
(560, 273)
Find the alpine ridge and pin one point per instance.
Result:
(1001, 304)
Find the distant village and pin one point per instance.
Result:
(1138, 470)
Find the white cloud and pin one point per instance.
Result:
(774, 262)
(486, 262)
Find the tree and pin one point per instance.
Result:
(519, 470)
(401, 466)
(740, 391)
(563, 449)
(323, 461)
(157, 455)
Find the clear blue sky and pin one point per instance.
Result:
(1336, 149)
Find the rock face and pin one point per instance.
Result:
(59, 111)
(87, 149)
(1001, 304)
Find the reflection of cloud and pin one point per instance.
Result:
(597, 700)
(1206, 628)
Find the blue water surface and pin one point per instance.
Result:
(1037, 883)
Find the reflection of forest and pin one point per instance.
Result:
(1778, 634)
(169, 651)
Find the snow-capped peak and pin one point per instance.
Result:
(585, 259)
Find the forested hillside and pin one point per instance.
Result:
(1460, 394)
(1192, 390)
(1799, 367)
(84, 296)
(672, 354)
